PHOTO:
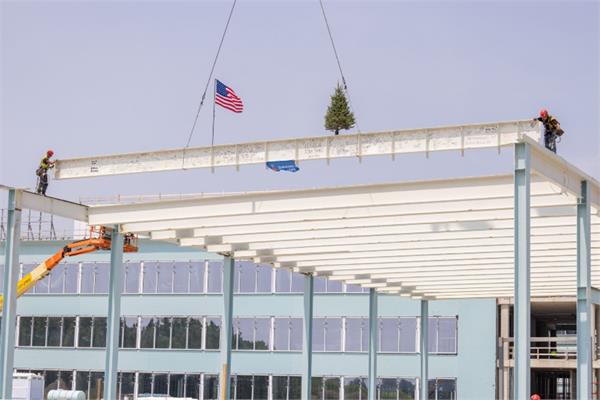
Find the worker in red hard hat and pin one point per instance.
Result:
(536, 396)
(552, 129)
(42, 172)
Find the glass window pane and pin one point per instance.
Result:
(126, 383)
(54, 334)
(388, 335)
(85, 332)
(244, 333)
(320, 284)
(262, 333)
(318, 334)
(129, 332)
(215, 277)
(66, 380)
(353, 334)
(407, 388)
(213, 333)
(432, 335)
(333, 341)
(388, 389)
(334, 286)
(408, 335)
(96, 386)
(263, 280)
(247, 271)
(177, 385)
(181, 277)
(296, 334)
(447, 335)
(68, 334)
(195, 333)
(161, 382)
(101, 278)
(82, 382)
(332, 388)
(197, 277)
(163, 333)
(431, 389)
(144, 385)
(41, 287)
(178, 338)
(165, 277)
(87, 278)
(446, 389)
(25, 331)
(295, 388)
(50, 381)
(57, 278)
(297, 282)
(353, 289)
(281, 334)
(280, 387)
(132, 277)
(211, 387)
(147, 333)
(355, 388)
(150, 272)
(192, 387)
(39, 331)
(71, 274)
(99, 339)
(282, 280)
(316, 388)
(243, 386)
(261, 387)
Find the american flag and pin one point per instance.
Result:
(226, 97)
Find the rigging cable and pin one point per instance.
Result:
(337, 58)
(212, 70)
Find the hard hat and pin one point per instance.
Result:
(544, 113)
(535, 397)
(49, 153)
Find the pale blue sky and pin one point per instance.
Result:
(90, 78)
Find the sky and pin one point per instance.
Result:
(92, 78)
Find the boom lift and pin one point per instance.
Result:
(100, 239)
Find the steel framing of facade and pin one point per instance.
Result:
(528, 233)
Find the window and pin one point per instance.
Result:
(181, 277)
(87, 278)
(442, 335)
(355, 388)
(126, 385)
(54, 331)
(357, 334)
(147, 333)
(163, 333)
(283, 281)
(197, 277)
(56, 279)
(94, 278)
(215, 277)
(213, 333)
(39, 331)
(251, 333)
(192, 386)
(286, 387)
(263, 278)
(129, 327)
(325, 388)
(165, 278)
(287, 334)
(353, 289)
(25, 329)
(398, 335)
(90, 382)
(246, 387)
(150, 277)
(179, 333)
(68, 331)
(442, 389)
(92, 332)
(327, 334)
(211, 387)
(71, 275)
(132, 278)
(195, 333)
(396, 388)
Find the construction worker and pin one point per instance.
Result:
(552, 129)
(42, 172)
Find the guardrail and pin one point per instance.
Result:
(549, 348)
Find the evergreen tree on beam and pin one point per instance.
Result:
(338, 114)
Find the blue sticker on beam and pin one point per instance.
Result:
(286, 165)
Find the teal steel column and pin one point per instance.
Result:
(113, 321)
(373, 344)
(9, 310)
(522, 313)
(424, 343)
(227, 331)
(307, 337)
(584, 283)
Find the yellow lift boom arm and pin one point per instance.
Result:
(101, 242)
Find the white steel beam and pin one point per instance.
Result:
(360, 145)
(51, 205)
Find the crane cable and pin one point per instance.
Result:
(337, 58)
(212, 70)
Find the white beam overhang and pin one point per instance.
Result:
(50, 205)
(359, 145)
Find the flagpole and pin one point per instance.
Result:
(212, 142)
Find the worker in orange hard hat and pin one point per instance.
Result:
(42, 172)
(552, 129)
(536, 396)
